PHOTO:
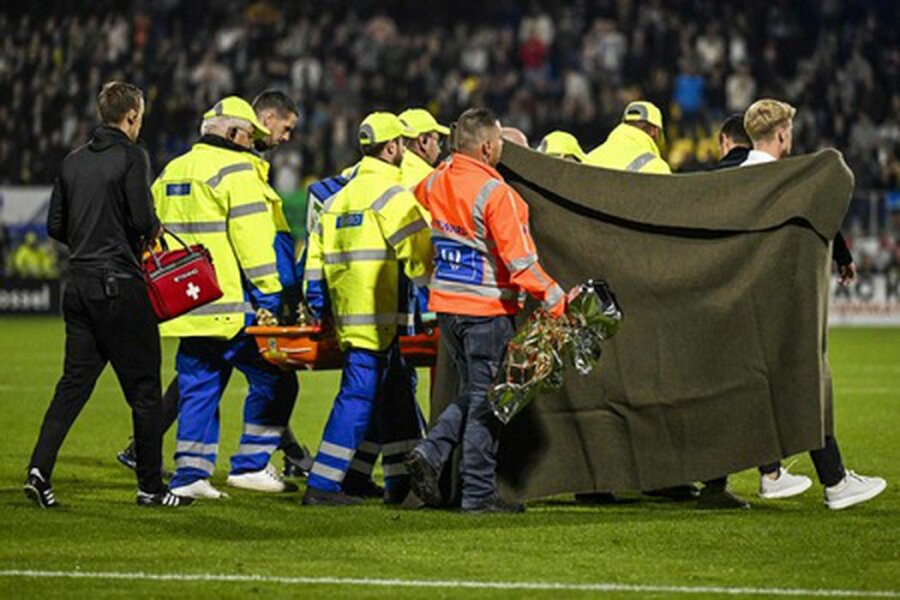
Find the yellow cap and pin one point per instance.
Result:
(561, 143)
(238, 108)
(641, 110)
(381, 127)
(421, 121)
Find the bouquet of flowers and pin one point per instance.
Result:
(537, 354)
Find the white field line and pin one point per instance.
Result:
(456, 583)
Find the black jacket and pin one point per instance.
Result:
(101, 206)
(840, 253)
(734, 158)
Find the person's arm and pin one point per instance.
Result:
(251, 232)
(314, 287)
(57, 215)
(406, 231)
(506, 217)
(840, 253)
(658, 166)
(138, 198)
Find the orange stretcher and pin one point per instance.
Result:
(316, 348)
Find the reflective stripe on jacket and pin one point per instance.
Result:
(483, 251)
(628, 149)
(365, 231)
(213, 195)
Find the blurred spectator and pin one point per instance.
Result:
(740, 89)
(28, 260)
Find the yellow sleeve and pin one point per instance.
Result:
(251, 230)
(409, 234)
(657, 165)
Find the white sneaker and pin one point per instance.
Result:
(201, 488)
(264, 480)
(784, 486)
(853, 489)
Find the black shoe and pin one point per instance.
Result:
(297, 462)
(128, 460)
(596, 498)
(127, 457)
(167, 499)
(396, 495)
(423, 478)
(677, 493)
(496, 505)
(367, 489)
(720, 500)
(38, 490)
(314, 497)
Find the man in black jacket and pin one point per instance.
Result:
(102, 210)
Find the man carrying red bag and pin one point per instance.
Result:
(214, 195)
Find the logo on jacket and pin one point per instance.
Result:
(456, 262)
(193, 291)
(349, 220)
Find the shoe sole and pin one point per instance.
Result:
(848, 502)
(34, 495)
(221, 496)
(422, 480)
(787, 493)
(251, 488)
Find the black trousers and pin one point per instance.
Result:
(108, 324)
(827, 461)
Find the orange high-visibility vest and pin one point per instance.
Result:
(483, 251)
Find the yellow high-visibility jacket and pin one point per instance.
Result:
(365, 231)
(214, 195)
(413, 169)
(628, 149)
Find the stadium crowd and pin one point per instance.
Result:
(540, 65)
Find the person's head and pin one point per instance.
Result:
(278, 113)
(478, 135)
(514, 135)
(562, 144)
(31, 239)
(425, 135)
(645, 116)
(770, 123)
(381, 136)
(233, 118)
(121, 105)
(733, 135)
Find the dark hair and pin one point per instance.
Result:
(115, 99)
(470, 127)
(373, 149)
(733, 127)
(277, 101)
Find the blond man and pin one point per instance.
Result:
(769, 123)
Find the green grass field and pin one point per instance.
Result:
(661, 549)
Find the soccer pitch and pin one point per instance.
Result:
(101, 545)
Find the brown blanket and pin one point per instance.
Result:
(720, 362)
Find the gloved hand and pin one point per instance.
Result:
(265, 318)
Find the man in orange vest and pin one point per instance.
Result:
(484, 256)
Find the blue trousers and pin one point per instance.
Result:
(204, 367)
(477, 346)
(375, 411)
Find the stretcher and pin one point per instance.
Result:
(316, 348)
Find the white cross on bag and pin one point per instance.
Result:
(193, 291)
